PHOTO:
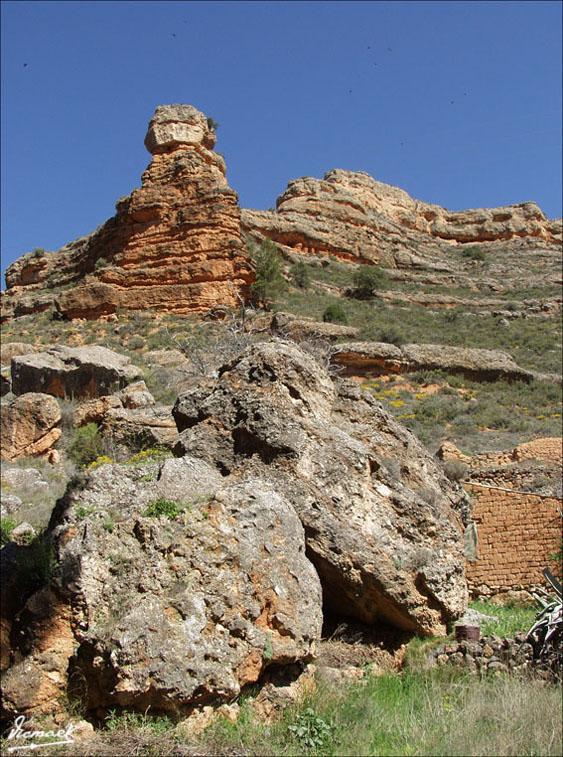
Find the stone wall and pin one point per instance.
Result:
(517, 533)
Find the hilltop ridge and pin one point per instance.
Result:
(177, 244)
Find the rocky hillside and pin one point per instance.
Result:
(176, 244)
(194, 492)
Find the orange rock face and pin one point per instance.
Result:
(351, 216)
(174, 244)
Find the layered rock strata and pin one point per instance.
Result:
(174, 244)
(351, 216)
(381, 358)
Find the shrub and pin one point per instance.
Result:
(162, 506)
(301, 274)
(269, 283)
(212, 124)
(335, 313)
(368, 279)
(7, 525)
(392, 335)
(473, 253)
(35, 565)
(87, 445)
(456, 470)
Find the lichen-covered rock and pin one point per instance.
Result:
(29, 426)
(74, 372)
(376, 509)
(168, 610)
(140, 427)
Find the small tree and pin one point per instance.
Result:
(212, 124)
(368, 279)
(301, 274)
(269, 283)
(335, 313)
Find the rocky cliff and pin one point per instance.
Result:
(174, 244)
(350, 216)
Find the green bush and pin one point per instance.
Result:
(7, 525)
(368, 279)
(335, 313)
(269, 283)
(163, 506)
(473, 253)
(87, 445)
(301, 274)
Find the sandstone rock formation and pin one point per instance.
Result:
(174, 244)
(351, 216)
(29, 426)
(376, 510)
(78, 372)
(377, 358)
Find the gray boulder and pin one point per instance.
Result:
(377, 511)
(167, 612)
(74, 372)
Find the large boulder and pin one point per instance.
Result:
(378, 513)
(29, 425)
(168, 610)
(74, 372)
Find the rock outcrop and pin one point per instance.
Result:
(381, 358)
(351, 216)
(376, 510)
(74, 372)
(174, 244)
(29, 426)
(177, 583)
(166, 611)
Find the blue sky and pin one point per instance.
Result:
(458, 103)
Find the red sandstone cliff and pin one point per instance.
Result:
(351, 216)
(174, 244)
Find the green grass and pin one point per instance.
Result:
(441, 713)
(512, 617)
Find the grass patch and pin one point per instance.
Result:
(512, 617)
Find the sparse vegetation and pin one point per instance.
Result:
(269, 283)
(7, 525)
(163, 506)
(335, 313)
(87, 445)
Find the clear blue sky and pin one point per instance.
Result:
(458, 103)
